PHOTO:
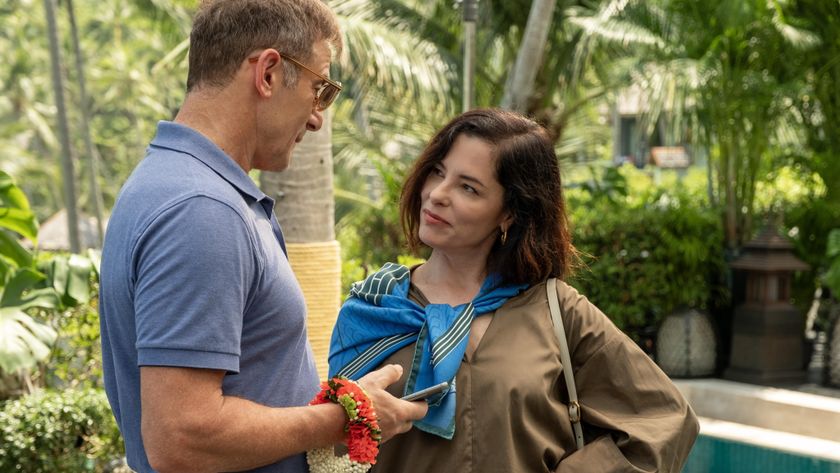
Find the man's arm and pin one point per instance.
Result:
(189, 425)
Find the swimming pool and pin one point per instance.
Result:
(717, 455)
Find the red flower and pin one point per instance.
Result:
(363, 434)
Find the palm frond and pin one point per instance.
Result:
(618, 31)
(799, 38)
(381, 52)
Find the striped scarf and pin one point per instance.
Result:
(378, 319)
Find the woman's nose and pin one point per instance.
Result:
(439, 194)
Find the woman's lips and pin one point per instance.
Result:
(433, 218)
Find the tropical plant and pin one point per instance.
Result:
(646, 252)
(135, 67)
(90, 151)
(23, 340)
(724, 73)
(397, 88)
(29, 283)
(68, 177)
(818, 104)
(529, 58)
(379, 133)
(379, 69)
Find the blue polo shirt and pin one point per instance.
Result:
(194, 274)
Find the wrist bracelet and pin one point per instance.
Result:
(362, 428)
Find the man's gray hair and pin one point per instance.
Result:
(225, 32)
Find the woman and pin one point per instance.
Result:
(486, 197)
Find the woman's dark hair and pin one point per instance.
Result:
(538, 244)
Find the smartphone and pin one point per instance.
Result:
(425, 393)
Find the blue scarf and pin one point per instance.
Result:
(378, 319)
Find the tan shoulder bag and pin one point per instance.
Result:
(566, 359)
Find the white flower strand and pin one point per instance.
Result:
(323, 460)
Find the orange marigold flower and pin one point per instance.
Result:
(363, 434)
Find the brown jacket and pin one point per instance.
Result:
(511, 400)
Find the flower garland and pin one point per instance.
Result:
(363, 434)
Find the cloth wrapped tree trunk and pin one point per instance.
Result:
(318, 270)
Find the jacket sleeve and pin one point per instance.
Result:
(634, 418)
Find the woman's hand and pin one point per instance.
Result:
(395, 415)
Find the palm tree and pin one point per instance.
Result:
(520, 85)
(726, 73)
(820, 105)
(92, 154)
(305, 210)
(68, 172)
(134, 79)
(376, 52)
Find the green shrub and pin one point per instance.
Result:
(809, 224)
(646, 257)
(76, 357)
(58, 431)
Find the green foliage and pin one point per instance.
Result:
(818, 104)
(808, 224)
(788, 186)
(59, 283)
(76, 357)
(16, 217)
(70, 276)
(370, 234)
(54, 431)
(135, 62)
(832, 275)
(27, 284)
(23, 340)
(724, 75)
(645, 259)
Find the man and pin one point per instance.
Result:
(204, 345)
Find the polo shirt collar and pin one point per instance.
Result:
(184, 139)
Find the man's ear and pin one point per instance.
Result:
(268, 72)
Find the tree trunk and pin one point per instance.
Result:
(520, 84)
(470, 17)
(68, 173)
(306, 211)
(96, 204)
(304, 192)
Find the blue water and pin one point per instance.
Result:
(714, 455)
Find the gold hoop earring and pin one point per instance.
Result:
(504, 237)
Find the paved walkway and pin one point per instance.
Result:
(815, 389)
(801, 419)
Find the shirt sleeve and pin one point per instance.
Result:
(193, 267)
(634, 418)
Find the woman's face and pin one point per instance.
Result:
(462, 201)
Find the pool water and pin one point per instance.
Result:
(715, 455)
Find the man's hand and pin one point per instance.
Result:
(395, 416)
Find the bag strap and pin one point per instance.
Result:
(566, 359)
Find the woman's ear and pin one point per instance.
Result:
(507, 222)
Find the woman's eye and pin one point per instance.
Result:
(470, 189)
(438, 172)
